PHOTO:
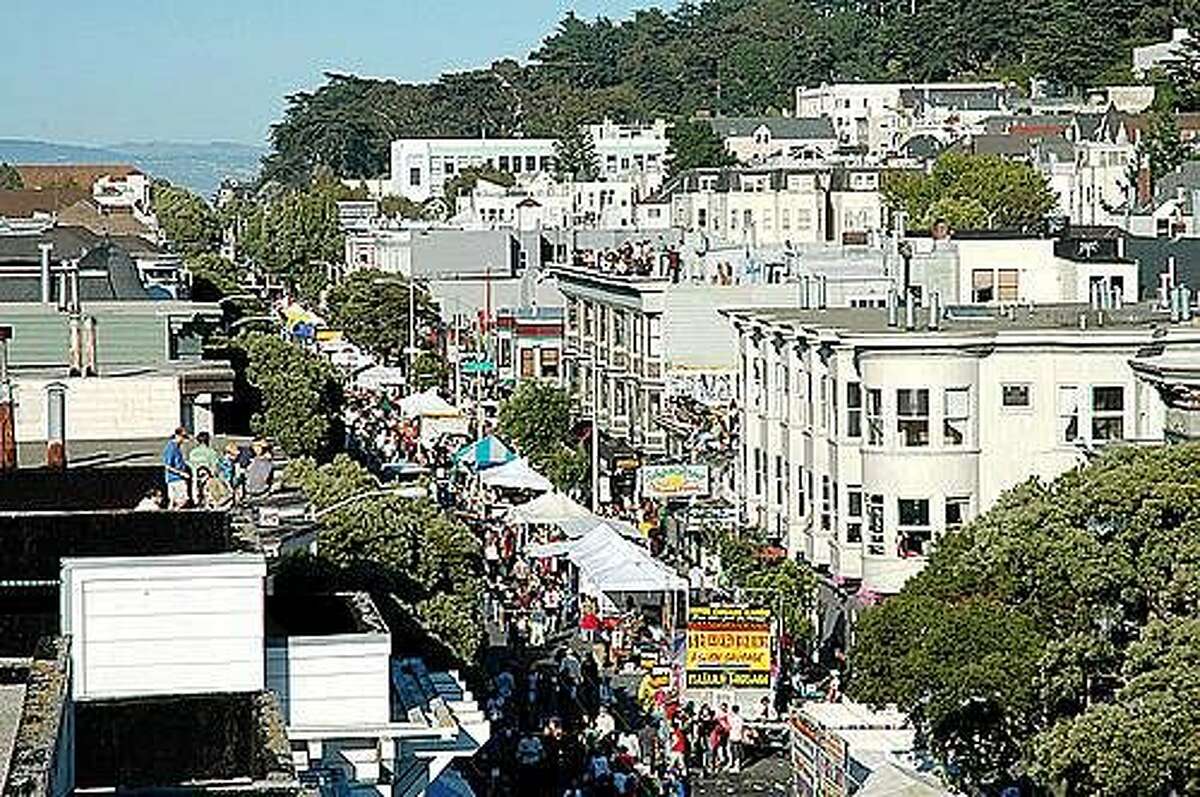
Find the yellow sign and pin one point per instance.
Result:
(728, 646)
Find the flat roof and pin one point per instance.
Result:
(968, 319)
(322, 615)
(12, 699)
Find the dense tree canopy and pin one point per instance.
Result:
(694, 145)
(10, 178)
(1056, 635)
(401, 546)
(371, 309)
(575, 154)
(536, 419)
(722, 56)
(191, 226)
(299, 395)
(972, 192)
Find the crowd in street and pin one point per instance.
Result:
(376, 430)
(207, 478)
(633, 258)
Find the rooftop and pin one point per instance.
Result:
(786, 127)
(323, 615)
(81, 175)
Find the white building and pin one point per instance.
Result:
(864, 443)
(1157, 56)
(877, 118)
(420, 167)
(538, 202)
(778, 206)
(1172, 211)
(755, 139)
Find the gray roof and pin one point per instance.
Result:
(107, 272)
(785, 127)
(1186, 177)
(962, 99)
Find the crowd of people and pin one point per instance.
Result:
(375, 428)
(633, 258)
(207, 478)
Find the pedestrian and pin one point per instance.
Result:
(175, 470)
(260, 474)
(737, 738)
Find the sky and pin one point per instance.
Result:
(101, 73)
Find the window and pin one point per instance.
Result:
(414, 176)
(1108, 413)
(875, 525)
(983, 287)
(653, 335)
(1015, 396)
(531, 163)
(504, 163)
(550, 358)
(800, 496)
(912, 417)
(1068, 413)
(853, 409)
(957, 412)
(780, 473)
(748, 218)
(603, 324)
(618, 328)
(874, 417)
(957, 510)
(854, 510)
(826, 506)
(1007, 286)
(760, 467)
(527, 363)
(913, 531)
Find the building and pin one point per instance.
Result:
(529, 343)
(865, 441)
(794, 140)
(1157, 56)
(1172, 211)
(771, 207)
(420, 167)
(877, 118)
(539, 201)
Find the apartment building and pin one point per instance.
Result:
(866, 438)
(420, 167)
(778, 206)
(756, 139)
(541, 202)
(877, 118)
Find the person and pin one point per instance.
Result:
(260, 473)
(605, 723)
(737, 738)
(151, 501)
(175, 472)
(203, 455)
(214, 492)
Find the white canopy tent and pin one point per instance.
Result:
(427, 404)
(515, 475)
(575, 528)
(608, 562)
(380, 377)
(549, 508)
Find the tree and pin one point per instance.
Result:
(10, 178)
(1183, 70)
(370, 307)
(401, 207)
(694, 145)
(213, 277)
(985, 191)
(429, 371)
(404, 547)
(536, 419)
(575, 154)
(298, 395)
(1067, 611)
(464, 182)
(190, 225)
(1162, 146)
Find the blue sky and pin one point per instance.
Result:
(107, 71)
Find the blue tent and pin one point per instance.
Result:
(484, 453)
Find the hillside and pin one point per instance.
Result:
(200, 167)
(724, 56)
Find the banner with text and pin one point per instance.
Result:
(728, 647)
(674, 481)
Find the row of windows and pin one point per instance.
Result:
(803, 219)
(621, 328)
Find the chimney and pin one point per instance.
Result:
(1145, 190)
(73, 276)
(45, 249)
(1164, 290)
(90, 367)
(1176, 310)
(893, 312)
(56, 426)
(1118, 298)
(1171, 269)
(1185, 303)
(910, 312)
(935, 311)
(8, 426)
(75, 344)
(823, 291)
(805, 301)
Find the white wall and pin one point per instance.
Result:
(160, 625)
(339, 680)
(101, 408)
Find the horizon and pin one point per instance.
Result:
(174, 96)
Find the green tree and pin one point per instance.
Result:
(536, 419)
(429, 370)
(399, 207)
(190, 225)
(1056, 617)
(575, 154)
(1183, 70)
(370, 539)
(1161, 146)
(298, 395)
(10, 178)
(694, 145)
(371, 309)
(213, 277)
(464, 182)
(986, 191)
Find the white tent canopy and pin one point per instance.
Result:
(427, 404)
(610, 563)
(548, 508)
(575, 528)
(516, 475)
(378, 377)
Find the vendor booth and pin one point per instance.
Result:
(516, 474)
(484, 453)
(437, 416)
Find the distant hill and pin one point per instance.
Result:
(200, 167)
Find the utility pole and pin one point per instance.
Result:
(595, 435)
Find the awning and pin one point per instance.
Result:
(483, 453)
(427, 404)
(610, 563)
(516, 475)
(549, 508)
(378, 377)
(578, 527)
